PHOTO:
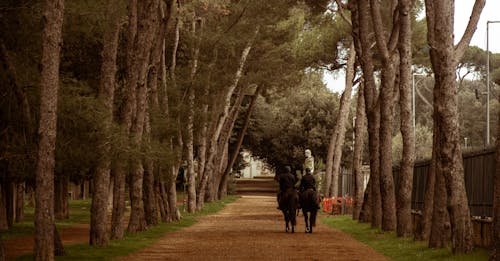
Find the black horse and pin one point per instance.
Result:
(288, 205)
(308, 203)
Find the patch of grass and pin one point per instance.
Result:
(132, 243)
(404, 249)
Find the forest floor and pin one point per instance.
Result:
(251, 228)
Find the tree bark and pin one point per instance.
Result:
(358, 153)
(146, 28)
(20, 201)
(388, 78)
(149, 195)
(121, 166)
(444, 59)
(364, 31)
(191, 175)
(223, 142)
(61, 203)
(404, 225)
(4, 224)
(53, 15)
(340, 128)
(99, 209)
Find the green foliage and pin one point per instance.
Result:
(397, 248)
(288, 122)
(79, 115)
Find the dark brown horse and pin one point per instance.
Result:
(288, 205)
(309, 205)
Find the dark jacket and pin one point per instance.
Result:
(307, 182)
(286, 180)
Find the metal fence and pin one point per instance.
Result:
(479, 170)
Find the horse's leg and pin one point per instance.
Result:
(286, 220)
(304, 213)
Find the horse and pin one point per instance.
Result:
(308, 203)
(288, 205)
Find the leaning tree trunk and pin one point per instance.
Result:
(404, 225)
(444, 58)
(215, 136)
(358, 153)
(4, 224)
(223, 142)
(49, 84)
(340, 128)
(241, 135)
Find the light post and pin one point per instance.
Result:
(488, 80)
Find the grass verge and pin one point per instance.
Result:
(132, 243)
(397, 248)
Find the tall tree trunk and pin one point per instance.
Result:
(365, 215)
(149, 196)
(362, 26)
(191, 175)
(439, 227)
(4, 224)
(121, 166)
(343, 114)
(99, 209)
(426, 220)
(358, 153)
(329, 161)
(20, 201)
(53, 15)
(404, 225)
(61, 203)
(387, 51)
(147, 25)
(222, 117)
(444, 58)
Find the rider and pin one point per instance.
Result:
(286, 181)
(308, 182)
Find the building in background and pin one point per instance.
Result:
(255, 167)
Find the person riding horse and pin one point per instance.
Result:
(286, 180)
(308, 182)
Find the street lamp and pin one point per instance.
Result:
(488, 80)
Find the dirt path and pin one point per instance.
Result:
(252, 229)
(24, 245)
